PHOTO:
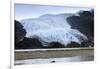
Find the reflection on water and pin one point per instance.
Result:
(55, 60)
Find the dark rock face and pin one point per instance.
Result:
(84, 23)
(20, 32)
(73, 45)
(29, 43)
(85, 44)
(55, 45)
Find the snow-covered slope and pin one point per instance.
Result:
(49, 28)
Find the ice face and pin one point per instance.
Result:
(49, 28)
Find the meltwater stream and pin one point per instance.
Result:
(52, 28)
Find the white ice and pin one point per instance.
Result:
(49, 28)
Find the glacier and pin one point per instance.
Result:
(52, 28)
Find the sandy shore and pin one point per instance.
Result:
(22, 55)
